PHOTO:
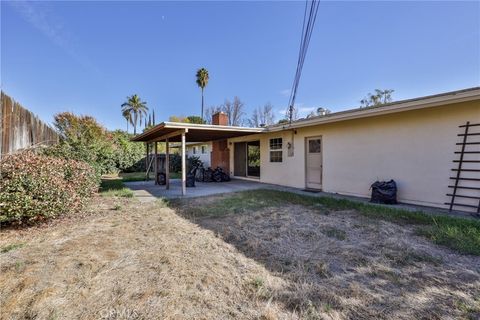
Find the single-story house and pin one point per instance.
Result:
(429, 145)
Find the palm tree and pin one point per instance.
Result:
(128, 116)
(202, 81)
(136, 108)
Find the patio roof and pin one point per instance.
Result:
(185, 132)
(194, 132)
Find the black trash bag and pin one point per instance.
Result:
(225, 177)
(207, 175)
(384, 192)
(161, 178)
(200, 175)
(217, 175)
(191, 178)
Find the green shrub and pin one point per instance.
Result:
(175, 162)
(99, 155)
(126, 152)
(37, 187)
(192, 162)
(84, 139)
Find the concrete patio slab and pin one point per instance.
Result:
(148, 191)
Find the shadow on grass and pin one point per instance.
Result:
(457, 233)
(137, 176)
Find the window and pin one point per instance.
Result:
(204, 149)
(194, 150)
(276, 144)
(314, 146)
(276, 153)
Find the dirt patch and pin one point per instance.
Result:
(129, 260)
(340, 264)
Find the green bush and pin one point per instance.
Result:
(99, 155)
(84, 139)
(126, 152)
(36, 187)
(175, 162)
(193, 161)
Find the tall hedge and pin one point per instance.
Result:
(37, 187)
(84, 139)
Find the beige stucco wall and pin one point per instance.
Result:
(204, 157)
(415, 148)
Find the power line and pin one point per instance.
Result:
(307, 29)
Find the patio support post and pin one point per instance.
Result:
(167, 164)
(184, 167)
(156, 163)
(146, 161)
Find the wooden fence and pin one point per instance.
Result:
(20, 129)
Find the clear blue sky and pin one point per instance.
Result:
(86, 57)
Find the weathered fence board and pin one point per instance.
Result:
(20, 128)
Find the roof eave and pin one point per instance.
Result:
(194, 126)
(148, 132)
(400, 106)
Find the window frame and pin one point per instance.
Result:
(309, 145)
(275, 146)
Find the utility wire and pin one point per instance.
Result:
(307, 29)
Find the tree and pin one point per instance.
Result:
(379, 98)
(189, 119)
(195, 119)
(209, 112)
(83, 138)
(294, 114)
(78, 128)
(262, 116)
(234, 111)
(126, 153)
(178, 119)
(128, 117)
(202, 81)
(137, 110)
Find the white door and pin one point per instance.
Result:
(313, 163)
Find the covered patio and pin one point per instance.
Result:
(168, 132)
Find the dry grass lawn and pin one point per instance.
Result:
(123, 259)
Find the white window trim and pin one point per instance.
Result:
(270, 150)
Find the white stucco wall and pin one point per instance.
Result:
(415, 148)
(204, 157)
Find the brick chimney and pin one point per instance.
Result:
(220, 155)
(220, 119)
